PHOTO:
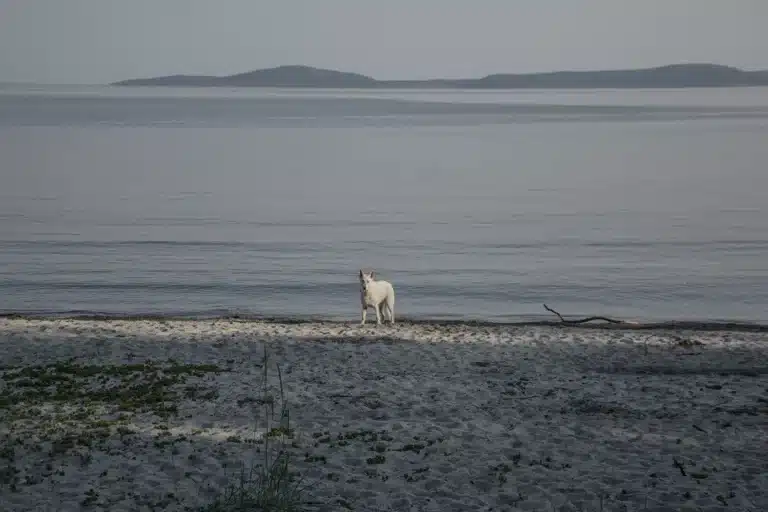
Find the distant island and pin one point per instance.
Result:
(671, 76)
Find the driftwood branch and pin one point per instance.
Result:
(608, 322)
(585, 320)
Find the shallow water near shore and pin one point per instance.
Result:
(476, 205)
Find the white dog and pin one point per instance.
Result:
(379, 295)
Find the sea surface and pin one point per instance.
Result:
(643, 204)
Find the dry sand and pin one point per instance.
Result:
(410, 417)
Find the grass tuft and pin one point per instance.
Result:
(268, 485)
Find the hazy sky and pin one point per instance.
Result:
(98, 41)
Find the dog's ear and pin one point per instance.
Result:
(372, 274)
(361, 273)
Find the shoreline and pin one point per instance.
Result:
(570, 322)
(140, 414)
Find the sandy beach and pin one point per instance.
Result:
(127, 415)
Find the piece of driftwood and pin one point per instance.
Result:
(587, 319)
(608, 323)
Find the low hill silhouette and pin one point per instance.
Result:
(671, 76)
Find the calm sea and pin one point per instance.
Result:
(477, 205)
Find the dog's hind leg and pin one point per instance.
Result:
(386, 314)
(390, 302)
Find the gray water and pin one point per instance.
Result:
(477, 205)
